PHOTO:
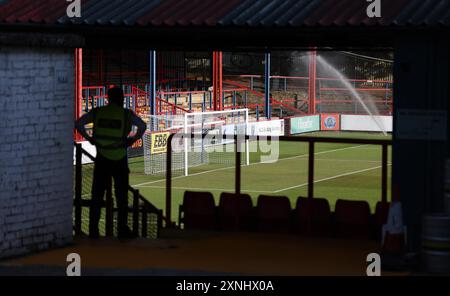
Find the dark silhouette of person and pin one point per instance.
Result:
(111, 127)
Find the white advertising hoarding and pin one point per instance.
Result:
(266, 128)
(366, 123)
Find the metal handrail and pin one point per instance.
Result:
(147, 206)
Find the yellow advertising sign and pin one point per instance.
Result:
(159, 142)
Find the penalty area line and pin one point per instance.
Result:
(329, 178)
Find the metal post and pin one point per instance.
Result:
(384, 158)
(267, 85)
(245, 99)
(386, 94)
(257, 113)
(190, 101)
(312, 81)
(219, 55)
(310, 186)
(78, 186)
(319, 96)
(285, 84)
(124, 89)
(210, 100)
(144, 224)
(237, 174)
(222, 104)
(169, 182)
(251, 82)
(103, 95)
(136, 212)
(311, 170)
(86, 108)
(97, 94)
(109, 218)
(204, 103)
(234, 98)
(214, 77)
(217, 79)
(78, 88)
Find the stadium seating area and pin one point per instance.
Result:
(273, 214)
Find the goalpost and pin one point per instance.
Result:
(195, 151)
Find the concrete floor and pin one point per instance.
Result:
(200, 253)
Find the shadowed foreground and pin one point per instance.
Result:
(200, 253)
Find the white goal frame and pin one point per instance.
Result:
(193, 114)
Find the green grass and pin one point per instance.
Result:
(345, 171)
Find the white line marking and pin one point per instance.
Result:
(329, 178)
(256, 163)
(275, 191)
(350, 160)
(210, 189)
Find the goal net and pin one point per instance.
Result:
(197, 150)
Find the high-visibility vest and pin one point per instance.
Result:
(112, 124)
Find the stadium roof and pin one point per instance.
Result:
(226, 13)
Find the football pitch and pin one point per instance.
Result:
(342, 171)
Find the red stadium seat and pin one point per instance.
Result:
(235, 212)
(273, 214)
(318, 211)
(352, 219)
(198, 211)
(380, 218)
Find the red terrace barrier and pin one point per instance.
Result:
(332, 101)
(306, 78)
(260, 94)
(357, 89)
(198, 91)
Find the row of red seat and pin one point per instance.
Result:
(274, 214)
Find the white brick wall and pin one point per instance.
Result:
(36, 148)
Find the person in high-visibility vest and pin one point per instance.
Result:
(112, 125)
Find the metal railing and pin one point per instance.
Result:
(146, 219)
(311, 166)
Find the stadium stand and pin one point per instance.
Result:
(235, 212)
(273, 214)
(198, 211)
(312, 217)
(352, 219)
